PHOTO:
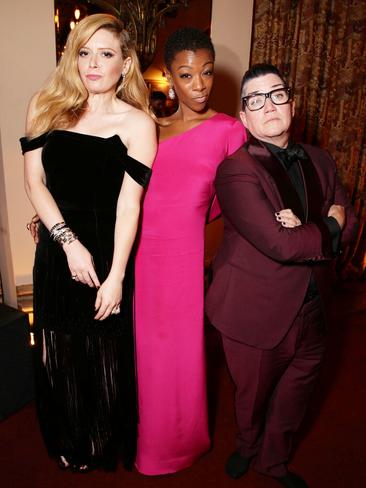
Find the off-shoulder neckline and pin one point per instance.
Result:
(73, 132)
(115, 136)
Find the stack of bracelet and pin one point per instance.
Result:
(62, 234)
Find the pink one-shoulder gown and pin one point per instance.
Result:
(170, 354)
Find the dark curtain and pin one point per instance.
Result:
(320, 45)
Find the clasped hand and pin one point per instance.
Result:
(81, 266)
(287, 218)
(108, 299)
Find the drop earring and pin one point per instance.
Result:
(171, 93)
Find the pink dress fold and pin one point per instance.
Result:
(170, 353)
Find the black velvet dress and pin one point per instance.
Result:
(85, 373)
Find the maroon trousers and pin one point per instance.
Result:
(273, 389)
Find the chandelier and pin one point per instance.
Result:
(142, 19)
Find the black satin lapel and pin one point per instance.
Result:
(285, 188)
(313, 189)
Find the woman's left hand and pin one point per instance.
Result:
(287, 218)
(108, 299)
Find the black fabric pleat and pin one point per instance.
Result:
(85, 401)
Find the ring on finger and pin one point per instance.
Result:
(116, 310)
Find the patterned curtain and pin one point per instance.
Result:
(320, 46)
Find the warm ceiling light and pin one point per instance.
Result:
(77, 14)
(57, 19)
(72, 25)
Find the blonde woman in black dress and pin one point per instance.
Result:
(89, 147)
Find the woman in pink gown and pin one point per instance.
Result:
(170, 352)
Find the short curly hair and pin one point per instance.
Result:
(186, 39)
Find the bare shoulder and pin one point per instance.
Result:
(141, 117)
(138, 132)
(136, 122)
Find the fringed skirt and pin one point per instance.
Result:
(84, 369)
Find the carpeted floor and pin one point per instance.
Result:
(331, 449)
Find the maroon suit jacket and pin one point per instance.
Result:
(262, 270)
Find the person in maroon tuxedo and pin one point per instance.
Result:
(286, 215)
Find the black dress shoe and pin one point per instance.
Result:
(292, 480)
(236, 466)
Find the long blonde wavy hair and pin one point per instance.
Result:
(61, 102)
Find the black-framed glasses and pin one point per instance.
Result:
(279, 96)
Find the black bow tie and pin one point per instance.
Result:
(292, 153)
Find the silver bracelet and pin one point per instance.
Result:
(64, 235)
(56, 227)
(67, 237)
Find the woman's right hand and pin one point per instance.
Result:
(81, 264)
(33, 227)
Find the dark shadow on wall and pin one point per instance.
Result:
(225, 93)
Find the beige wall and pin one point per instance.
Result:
(6, 261)
(231, 30)
(27, 51)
